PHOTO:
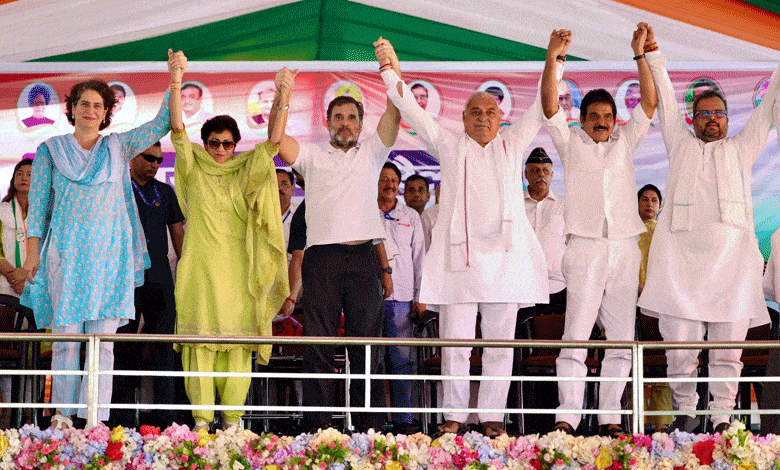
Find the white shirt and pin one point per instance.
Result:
(711, 272)
(338, 183)
(196, 119)
(429, 218)
(494, 267)
(286, 221)
(404, 247)
(14, 230)
(546, 218)
(599, 178)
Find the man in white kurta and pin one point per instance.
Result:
(704, 268)
(483, 254)
(601, 261)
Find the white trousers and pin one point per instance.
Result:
(602, 280)
(685, 362)
(66, 356)
(458, 321)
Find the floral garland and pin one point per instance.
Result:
(177, 447)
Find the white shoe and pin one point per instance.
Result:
(200, 425)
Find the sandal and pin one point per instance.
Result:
(453, 427)
(611, 430)
(58, 421)
(564, 427)
(492, 429)
(200, 425)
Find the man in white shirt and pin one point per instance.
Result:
(704, 267)
(483, 254)
(544, 209)
(416, 192)
(341, 270)
(601, 262)
(429, 218)
(404, 247)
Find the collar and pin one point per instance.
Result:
(332, 149)
(586, 138)
(550, 195)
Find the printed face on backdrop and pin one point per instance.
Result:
(420, 95)
(190, 99)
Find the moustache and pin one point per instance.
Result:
(601, 128)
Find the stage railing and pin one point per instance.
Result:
(637, 378)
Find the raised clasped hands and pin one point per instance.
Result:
(285, 79)
(559, 43)
(177, 64)
(385, 54)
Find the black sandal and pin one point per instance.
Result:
(611, 430)
(565, 427)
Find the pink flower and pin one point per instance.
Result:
(323, 465)
(559, 462)
(193, 467)
(632, 461)
(184, 458)
(332, 445)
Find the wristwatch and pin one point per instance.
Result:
(387, 270)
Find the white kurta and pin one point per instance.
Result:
(546, 218)
(712, 272)
(14, 233)
(490, 182)
(404, 245)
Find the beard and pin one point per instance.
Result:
(342, 140)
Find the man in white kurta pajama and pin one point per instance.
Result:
(704, 268)
(601, 261)
(483, 254)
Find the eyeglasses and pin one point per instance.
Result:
(226, 144)
(708, 114)
(152, 159)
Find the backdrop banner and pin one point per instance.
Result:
(33, 96)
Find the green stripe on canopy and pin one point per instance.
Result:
(337, 30)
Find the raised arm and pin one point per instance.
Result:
(391, 119)
(672, 123)
(277, 121)
(644, 37)
(177, 65)
(556, 52)
(756, 130)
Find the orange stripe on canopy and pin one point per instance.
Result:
(733, 18)
(3, 2)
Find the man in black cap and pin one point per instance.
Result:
(545, 213)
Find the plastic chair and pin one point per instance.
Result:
(14, 354)
(541, 362)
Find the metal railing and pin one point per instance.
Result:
(637, 378)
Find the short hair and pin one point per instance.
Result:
(650, 187)
(419, 85)
(288, 173)
(193, 85)
(339, 100)
(418, 177)
(711, 93)
(598, 95)
(12, 189)
(495, 91)
(299, 179)
(393, 167)
(117, 87)
(38, 89)
(99, 86)
(218, 124)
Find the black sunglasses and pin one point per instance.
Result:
(226, 144)
(151, 158)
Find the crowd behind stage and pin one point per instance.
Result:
(87, 231)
